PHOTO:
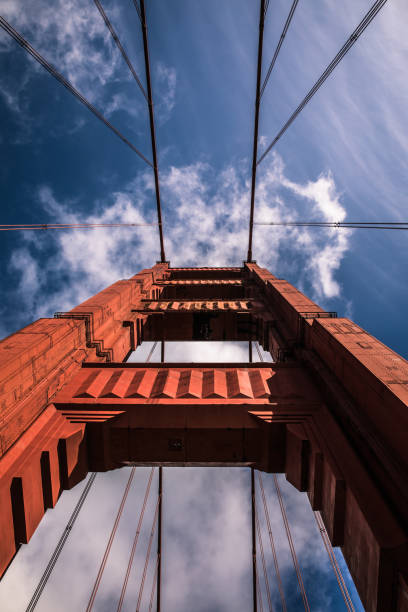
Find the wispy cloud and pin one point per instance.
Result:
(73, 37)
(165, 91)
(206, 223)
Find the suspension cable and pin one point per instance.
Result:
(137, 7)
(110, 541)
(119, 46)
(159, 538)
(154, 587)
(135, 540)
(45, 64)
(152, 127)
(259, 598)
(335, 566)
(278, 47)
(265, 572)
(342, 224)
(149, 548)
(255, 579)
(266, 7)
(256, 126)
(258, 350)
(291, 545)
(49, 226)
(271, 539)
(377, 6)
(57, 551)
(151, 352)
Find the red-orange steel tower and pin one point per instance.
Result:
(330, 412)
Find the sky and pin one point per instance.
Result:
(344, 158)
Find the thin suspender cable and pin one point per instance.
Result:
(254, 569)
(266, 7)
(153, 586)
(259, 351)
(256, 127)
(377, 6)
(135, 540)
(334, 564)
(259, 598)
(265, 572)
(291, 545)
(149, 548)
(45, 64)
(151, 352)
(119, 46)
(110, 541)
(159, 539)
(278, 47)
(275, 558)
(54, 557)
(152, 128)
(137, 7)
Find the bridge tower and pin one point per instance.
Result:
(330, 411)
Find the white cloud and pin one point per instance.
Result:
(165, 91)
(206, 220)
(74, 38)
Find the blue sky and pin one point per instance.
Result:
(345, 157)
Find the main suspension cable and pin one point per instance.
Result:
(119, 46)
(377, 6)
(54, 557)
(50, 226)
(291, 545)
(278, 47)
(110, 542)
(272, 542)
(45, 64)
(256, 126)
(335, 566)
(152, 127)
(135, 540)
(341, 224)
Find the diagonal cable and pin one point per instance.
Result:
(137, 7)
(119, 46)
(110, 542)
(54, 557)
(50, 68)
(367, 19)
(278, 47)
(149, 548)
(291, 545)
(272, 542)
(135, 540)
(265, 571)
(335, 566)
